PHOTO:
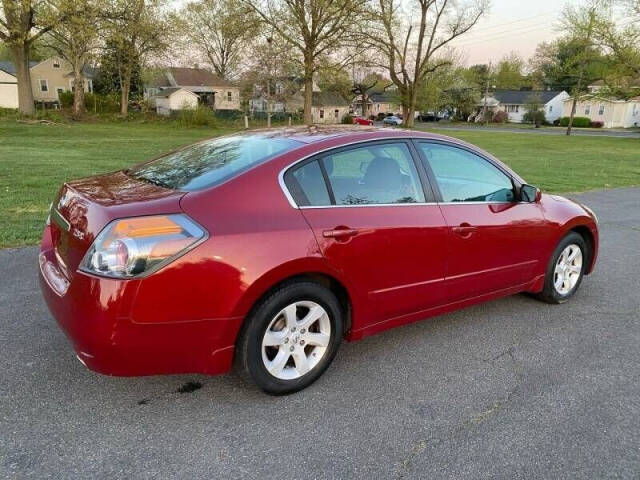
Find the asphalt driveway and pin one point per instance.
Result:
(510, 389)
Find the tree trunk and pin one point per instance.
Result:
(78, 93)
(125, 86)
(364, 105)
(308, 89)
(574, 104)
(23, 75)
(408, 111)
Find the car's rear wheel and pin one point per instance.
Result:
(290, 338)
(566, 269)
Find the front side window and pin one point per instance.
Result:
(211, 162)
(601, 110)
(463, 176)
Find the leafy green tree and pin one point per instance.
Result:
(509, 73)
(76, 40)
(22, 24)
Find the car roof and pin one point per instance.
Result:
(319, 133)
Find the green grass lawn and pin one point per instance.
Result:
(36, 159)
(560, 163)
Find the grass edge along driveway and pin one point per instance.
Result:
(36, 159)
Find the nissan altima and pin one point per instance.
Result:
(266, 249)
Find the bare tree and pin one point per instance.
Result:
(314, 28)
(413, 50)
(580, 25)
(75, 40)
(137, 28)
(21, 24)
(223, 30)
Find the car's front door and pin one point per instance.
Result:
(495, 242)
(374, 222)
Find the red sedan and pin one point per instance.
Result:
(357, 120)
(267, 248)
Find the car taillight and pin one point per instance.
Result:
(131, 247)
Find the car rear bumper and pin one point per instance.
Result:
(95, 314)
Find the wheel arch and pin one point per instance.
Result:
(314, 271)
(585, 232)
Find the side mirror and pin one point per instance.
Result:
(530, 194)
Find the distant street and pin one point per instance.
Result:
(536, 131)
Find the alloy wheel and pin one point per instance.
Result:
(296, 339)
(568, 269)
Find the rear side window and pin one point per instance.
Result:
(463, 176)
(212, 162)
(307, 185)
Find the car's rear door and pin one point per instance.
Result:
(376, 223)
(495, 242)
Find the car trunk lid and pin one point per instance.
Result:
(84, 207)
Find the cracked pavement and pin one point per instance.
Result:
(510, 389)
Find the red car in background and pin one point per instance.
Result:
(362, 121)
(267, 248)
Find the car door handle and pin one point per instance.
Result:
(465, 230)
(341, 233)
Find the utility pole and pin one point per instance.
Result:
(486, 95)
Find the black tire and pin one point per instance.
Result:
(549, 293)
(248, 358)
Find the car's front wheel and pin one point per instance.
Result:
(290, 338)
(566, 269)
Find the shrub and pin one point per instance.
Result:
(534, 116)
(381, 116)
(66, 98)
(597, 124)
(197, 117)
(580, 122)
(500, 117)
(347, 119)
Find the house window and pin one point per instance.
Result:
(550, 108)
(513, 108)
(229, 96)
(90, 85)
(56, 64)
(587, 109)
(321, 113)
(336, 113)
(601, 110)
(59, 90)
(635, 109)
(44, 86)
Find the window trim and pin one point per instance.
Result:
(427, 191)
(46, 85)
(434, 183)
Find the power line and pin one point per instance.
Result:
(523, 19)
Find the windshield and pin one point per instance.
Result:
(211, 162)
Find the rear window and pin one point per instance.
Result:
(211, 162)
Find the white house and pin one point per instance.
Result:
(514, 103)
(611, 111)
(8, 90)
(173, 99)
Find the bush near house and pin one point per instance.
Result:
(347, 119)
(93, 102)
(534, 116)
(500, 117)
(580, 122)
(596, 124)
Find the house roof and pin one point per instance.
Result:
(196, 77)
(521, 97)
(328, 99)
(10, 67)
(384, 97)
(167, 92)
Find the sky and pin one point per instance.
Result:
(511, 25)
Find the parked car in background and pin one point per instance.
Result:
(358, 120)
(433, 116)
(392, 120)
(268, 248)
